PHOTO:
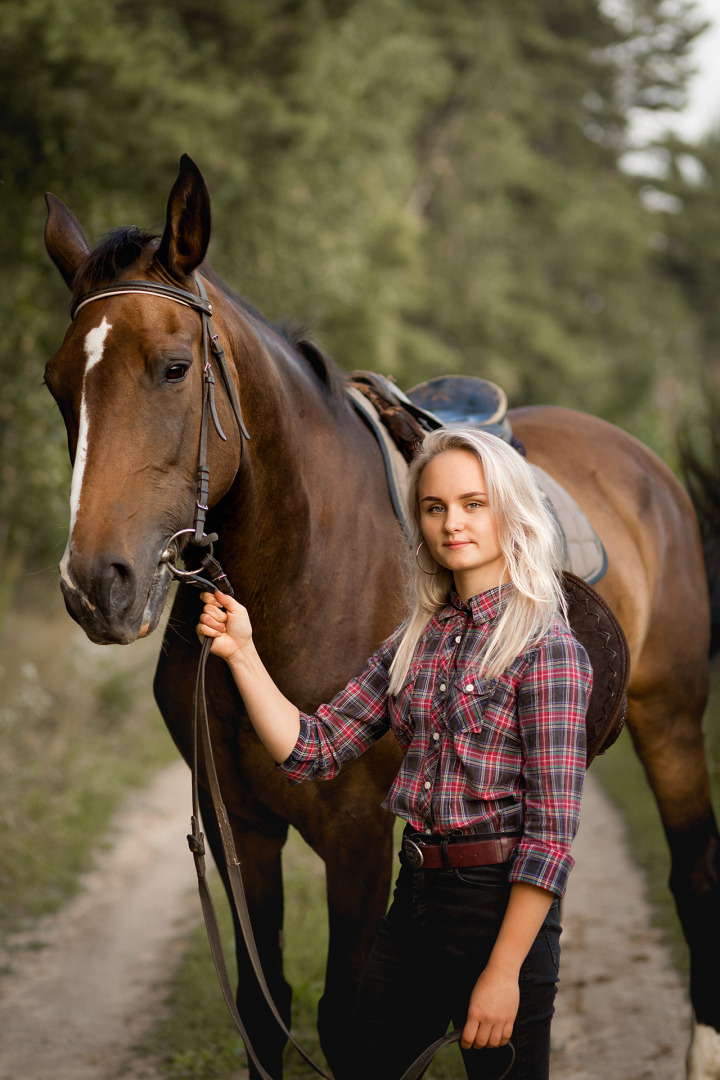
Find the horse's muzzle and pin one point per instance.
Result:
(112, 608)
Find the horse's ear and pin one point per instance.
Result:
(64, 239)
(187, 226)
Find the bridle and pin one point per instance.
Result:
(210, 342)
(216, 578)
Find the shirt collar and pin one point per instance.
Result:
(482, 608)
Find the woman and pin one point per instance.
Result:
(486, 689)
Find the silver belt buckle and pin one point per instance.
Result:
(412, 853)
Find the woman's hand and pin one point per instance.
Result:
(275, 719)
(225, 621)
(495, 998)
(492, 1010)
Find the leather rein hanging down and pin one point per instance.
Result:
(215, 579)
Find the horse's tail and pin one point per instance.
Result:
(701, 474)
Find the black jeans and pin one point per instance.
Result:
(429, 952)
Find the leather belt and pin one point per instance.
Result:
(452, 853)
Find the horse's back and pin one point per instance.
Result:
(572, 443)
(656, 578)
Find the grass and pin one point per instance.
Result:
(197, 1039)
(78, 727)
(623, 779)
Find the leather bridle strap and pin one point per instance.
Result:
(197, 301)
(418, 1067)
(232, 863)
(158, 288)
(210, 343)
(219, 354)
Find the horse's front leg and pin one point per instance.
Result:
(671, 747)
(260, 857)
(358, 853)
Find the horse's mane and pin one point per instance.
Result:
(121, 248)
(117, 251)
(295, 335)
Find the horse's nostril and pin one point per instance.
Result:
(116, 587)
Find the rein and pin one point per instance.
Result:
(216, 579)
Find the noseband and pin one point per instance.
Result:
(210, 342)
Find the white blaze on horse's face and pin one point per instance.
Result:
(94, 349)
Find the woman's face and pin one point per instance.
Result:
(457, 523)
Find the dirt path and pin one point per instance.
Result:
(83, 987)
(622, 1011)
(88, 980)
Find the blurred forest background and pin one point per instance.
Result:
(433, 185)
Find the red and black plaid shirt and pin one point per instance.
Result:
(501, 755)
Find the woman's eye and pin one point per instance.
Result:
(176, 372)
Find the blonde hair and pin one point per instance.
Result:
(529, 540)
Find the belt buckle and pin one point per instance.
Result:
(413, 853)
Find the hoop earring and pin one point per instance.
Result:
(430, 573)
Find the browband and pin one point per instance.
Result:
(157, 288)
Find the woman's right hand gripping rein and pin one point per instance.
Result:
(226, 622)
(275, 719)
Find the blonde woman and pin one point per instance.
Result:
(485, 688)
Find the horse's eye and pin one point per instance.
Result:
(177, 371)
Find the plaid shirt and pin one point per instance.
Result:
(500, 755)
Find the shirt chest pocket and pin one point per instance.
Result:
(401, 706)
(483, 710)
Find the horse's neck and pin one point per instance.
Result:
(307, 528)
(301, 450)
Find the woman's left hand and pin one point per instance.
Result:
(495, 999)
(492, 1010)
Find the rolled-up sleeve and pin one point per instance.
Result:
(552, 703)
(346, 727)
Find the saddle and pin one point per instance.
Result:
(400, 422)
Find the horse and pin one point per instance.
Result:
(309, 539)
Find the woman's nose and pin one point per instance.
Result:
(452, 521)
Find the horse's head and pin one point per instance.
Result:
(129, 383)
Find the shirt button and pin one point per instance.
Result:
(443, 686)
(458, 639)
(427, 785)
(435, 736)
(470, 688)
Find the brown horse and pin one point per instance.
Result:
(309, 539)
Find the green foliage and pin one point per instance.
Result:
(77, 728)
(548, 280)
(623, 779)
(432, 184)
(687, 233)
